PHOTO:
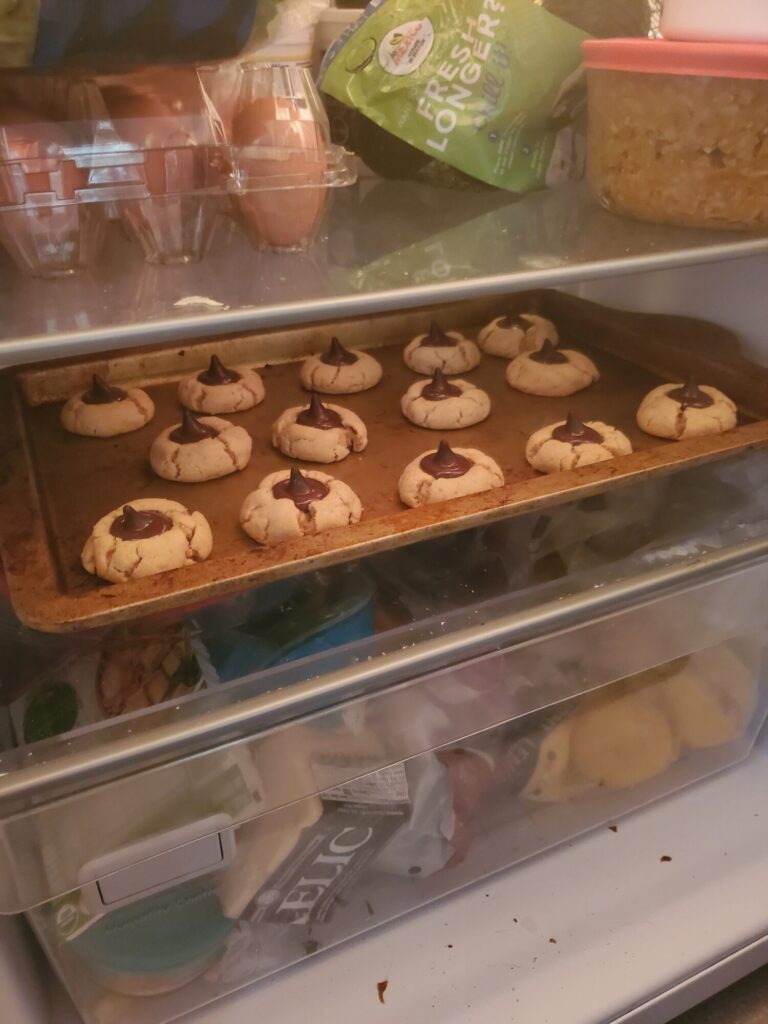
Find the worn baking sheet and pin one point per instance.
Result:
(57, 485)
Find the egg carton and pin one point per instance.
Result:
(167, 152)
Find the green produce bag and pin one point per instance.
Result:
(492, 88)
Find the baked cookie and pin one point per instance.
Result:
(319, 433)
(551, 372)
(678, 411)
(712, 699)
(145, 537)
(622, 742)
(200, 449)
(106, 411)
(448, 351)
(221, 389)
(445, 405)
(291, 504)
(340, 371)
(447, 473)
(562, 446)
(508, 336)
(554, 778)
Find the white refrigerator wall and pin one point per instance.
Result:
(733, 293)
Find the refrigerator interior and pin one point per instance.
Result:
(626, 892)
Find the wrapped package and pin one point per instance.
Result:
(45, 33)
(494, 90)
(130, 669)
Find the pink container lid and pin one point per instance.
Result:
(665, 57)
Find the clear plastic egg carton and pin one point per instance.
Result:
(166, 152)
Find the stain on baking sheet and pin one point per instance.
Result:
(665, 859)
(381, 988)
(614, 828)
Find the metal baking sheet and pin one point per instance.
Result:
(56, 485)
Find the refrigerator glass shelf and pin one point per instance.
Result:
(385, 245)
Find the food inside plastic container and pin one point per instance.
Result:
(678, 132)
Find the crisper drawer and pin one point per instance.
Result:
(180, 884)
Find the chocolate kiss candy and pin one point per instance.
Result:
(445, 463)
(191, 430)
(337, 355)
(135, 524)
(217, 374)
(548, 354)
(437, 338)
(690, 395)
(439, 388)
(318, 415)
(101, 393)
(302, 490)
(573, 431)
(514, 320)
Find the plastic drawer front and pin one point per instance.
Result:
(322, 828)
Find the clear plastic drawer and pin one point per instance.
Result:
(320, 828)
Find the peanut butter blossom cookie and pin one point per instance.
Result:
(221, 389)
(291, 504)
(551, 372)
(106, 411)
(678, 411)
(444, 404)
(509, 336)
(340, 371)
(448, 351)
(145, 537)
(446, 473)
(569, 444)
(318, 432)
(201, 449)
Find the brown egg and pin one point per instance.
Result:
(286, 215)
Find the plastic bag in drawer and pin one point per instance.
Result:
(132, 668)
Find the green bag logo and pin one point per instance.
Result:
(405, 48)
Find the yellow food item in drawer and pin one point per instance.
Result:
(711, 703)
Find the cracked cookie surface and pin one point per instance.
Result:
(228, 396)
(205, 459)
(458, 355)
(509, 336)
(340, 371)
(418, 487)
(549, 454)
(271, 519)
(316, 444)
(663, 416)
(470, 406)
(572, 372)
(185, 540)
(133, 410)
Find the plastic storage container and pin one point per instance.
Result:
(358, 814)
(739, 21)
(677, 131)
